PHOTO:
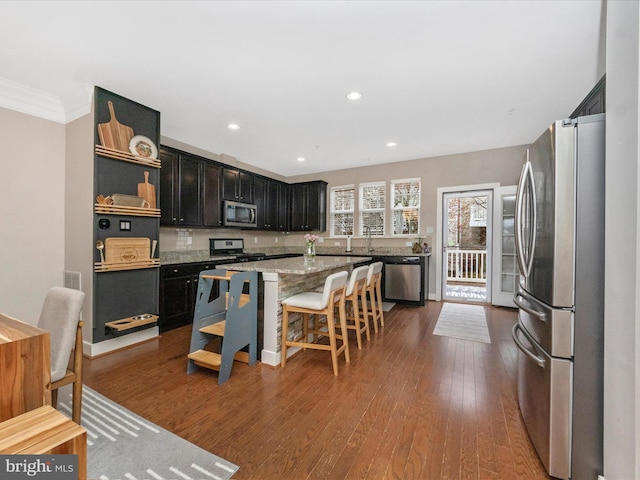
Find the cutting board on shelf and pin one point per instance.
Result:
(127, 249)
(147, 191)
(114, 134)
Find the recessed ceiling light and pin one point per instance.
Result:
(233, 126)
(301, 159)
(391, 144)
(354, 95)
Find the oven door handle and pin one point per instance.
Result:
(521, 346)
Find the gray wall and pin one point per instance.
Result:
(622, 288)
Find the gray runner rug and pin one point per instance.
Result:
(124, 446)
(466, 322)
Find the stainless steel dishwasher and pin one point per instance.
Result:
(403, 279)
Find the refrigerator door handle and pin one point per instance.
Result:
(518, 299)
(526, 177)
(532, 356)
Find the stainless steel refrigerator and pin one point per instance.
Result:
(560, 297)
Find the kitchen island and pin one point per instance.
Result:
(282, 278)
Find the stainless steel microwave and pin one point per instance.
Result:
(237, 214)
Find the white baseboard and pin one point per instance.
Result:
(95, 349)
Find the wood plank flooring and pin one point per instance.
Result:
(409, 405)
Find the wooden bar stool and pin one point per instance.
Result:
(357, 319)
(315, 303)
(374, 289)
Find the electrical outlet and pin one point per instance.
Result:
(276, 239)
(320, 239)
(408, 244)
(429, 229)
(255, 239)
(337, 244)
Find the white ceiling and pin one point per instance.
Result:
(437, 77)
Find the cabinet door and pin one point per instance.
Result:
(230, 184)
(177, 299)
(284, 209)
(298, 207)
(316, 206)
(211, 204)
(260, 199)
(237, 186)
(190, 191)
(245, 187)
(274, 190)
(168, 187)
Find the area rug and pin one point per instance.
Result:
(466, 322)
(124, 446)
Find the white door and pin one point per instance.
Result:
(505, 265)
(466, 245)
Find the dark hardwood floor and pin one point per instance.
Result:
(410, 405)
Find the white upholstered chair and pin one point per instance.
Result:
(60, 316)
(318, 303)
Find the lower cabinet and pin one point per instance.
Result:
(178, 288)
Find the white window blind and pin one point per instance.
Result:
(405, 206)
(372, 208)
(342, 210)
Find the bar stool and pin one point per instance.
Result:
(356, 291)
(308, 303)
(374, 289)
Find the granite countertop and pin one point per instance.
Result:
(196, 256)
(297, 265)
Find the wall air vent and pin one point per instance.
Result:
(71, 280)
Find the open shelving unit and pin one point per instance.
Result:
(126, 290)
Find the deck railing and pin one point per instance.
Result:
(467, 266)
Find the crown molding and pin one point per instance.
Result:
(18, 97)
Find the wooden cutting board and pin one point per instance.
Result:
(127, 250)
(147, 191)
(113, 134)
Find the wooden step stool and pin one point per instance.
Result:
(231, 317)
(44, 431)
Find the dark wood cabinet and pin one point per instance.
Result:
(237, 185)
(180, 189)
(189, 190)
(211, 205)
(178, 289)
(594, 102)
(192, 190)
(272, 207)
(308, 206)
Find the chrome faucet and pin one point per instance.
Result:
(367, 232)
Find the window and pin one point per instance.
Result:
(405, 206)
(372, 208)
(478, 217)
(342, 208)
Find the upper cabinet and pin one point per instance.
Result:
(190, 187)
(181, 187)
(309, 206)
(271, 200)
(237, 185)
(594, 102)
(194, 188)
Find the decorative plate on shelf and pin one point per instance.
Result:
(143, 147)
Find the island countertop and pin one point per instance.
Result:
(296, 265)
